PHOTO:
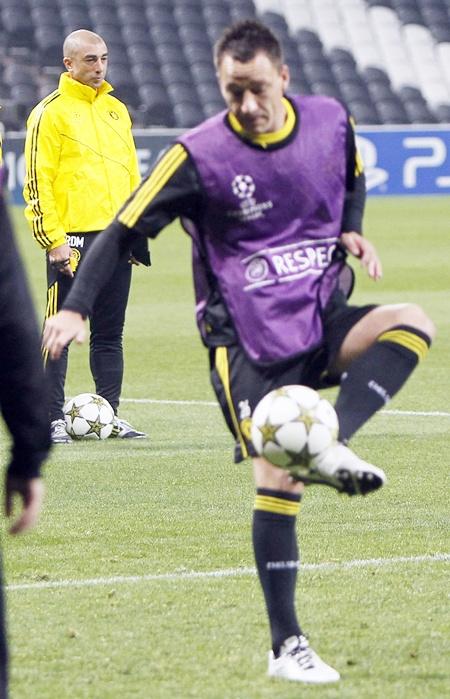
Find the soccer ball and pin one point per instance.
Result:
(88, 416)
(292, 424)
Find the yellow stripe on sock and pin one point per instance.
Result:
(149, 189)
(280, 506)
(407, 339)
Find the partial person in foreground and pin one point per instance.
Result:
(272, 193)
(23, 403)
(81, 165)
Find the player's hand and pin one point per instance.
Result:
(59, 259)
(31, 492)
(364, 250)
(61, 329)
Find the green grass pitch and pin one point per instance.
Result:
(110, 597)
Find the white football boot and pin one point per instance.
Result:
(339, 467)
(123, 430)
(298, 662)
(58, 432)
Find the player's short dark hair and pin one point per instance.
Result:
(243, 40)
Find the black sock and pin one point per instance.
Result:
(276, 555)
(375, 377)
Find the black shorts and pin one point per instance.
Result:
(240, 384)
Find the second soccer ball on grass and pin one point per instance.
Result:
(88, 416)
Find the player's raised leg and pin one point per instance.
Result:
(376, 358)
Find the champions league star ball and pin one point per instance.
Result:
(292, 424)
(88, 416)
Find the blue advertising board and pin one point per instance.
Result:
(406, 160)
(397, 160)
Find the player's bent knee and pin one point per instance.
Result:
(412, 314)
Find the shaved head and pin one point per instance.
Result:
(77, 40)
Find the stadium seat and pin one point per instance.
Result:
(154, 98)
(380, 91)
(354, 90)
(373, 74)
(209, 93)
(43, 6)
(104, 16)
(75, 18)
(146, 73)
(442, 112)
(194, 35)
(344, 71)
(212, 108)
(242, 10)
(363, 112)
(329, 89)
(392, 112)
(168, 53)
(276, 22)
(9, 115)
(216, 14)
(188, 16)
(182, 92)
(187, 115)
(130, 14)
(418, 112)
(16, 24)
(18, 74)
(379, 3)
(137, 53)
(175, 73)
(132, 34)
(197, 52)
(46, 17)
(203, 72)
(110, 33)
(298, 85)
(310, 52)
(337, 56)
(318, 71)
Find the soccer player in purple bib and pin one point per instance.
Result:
(272, 192)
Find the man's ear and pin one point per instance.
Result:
(285, 76)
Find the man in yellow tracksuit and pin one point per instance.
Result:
(81, 165)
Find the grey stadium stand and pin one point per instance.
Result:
(387, 60)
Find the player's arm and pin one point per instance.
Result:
(355, 185)
(135, 175)
(22, 385)
(171, 189)
(42, 159)
(352, 217)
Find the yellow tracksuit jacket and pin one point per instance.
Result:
(81, 162)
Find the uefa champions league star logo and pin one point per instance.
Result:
(243, 186)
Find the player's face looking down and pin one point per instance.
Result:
(253, 91)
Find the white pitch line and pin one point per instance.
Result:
(226, 573)
(214, 404)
